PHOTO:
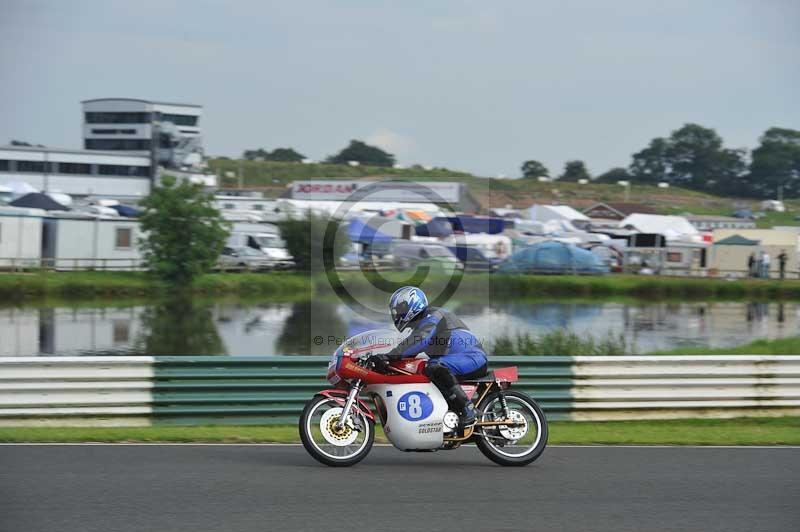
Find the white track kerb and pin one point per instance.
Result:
(141, 391)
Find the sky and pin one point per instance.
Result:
(469, 85)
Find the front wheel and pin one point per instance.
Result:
(329, 444)
(512, 445)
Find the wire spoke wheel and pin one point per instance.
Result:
(519, 442)
(330, 443)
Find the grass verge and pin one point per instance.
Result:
(738, 431)
(88, 285)
(781, 346)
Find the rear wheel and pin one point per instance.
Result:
(512, 445)
(329, 444)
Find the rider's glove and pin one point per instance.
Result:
(379, 362)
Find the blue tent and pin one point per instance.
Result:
(553, 257)
(360, 232)
(442, 226)
(476, 224)
(438, 227)
(127, 211)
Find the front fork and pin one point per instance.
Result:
(348, 405)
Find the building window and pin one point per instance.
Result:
(74, 168)
(117, 118)
(123, 170)
(124, 237)
(674, 256)
(4, 165)
(258, 207)
(229, 206)
(113, 131)
(30, 166)
(121, 331)
(117, 144)
(180, 120)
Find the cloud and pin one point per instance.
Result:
(393, 142)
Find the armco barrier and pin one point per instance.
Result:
(261, 390)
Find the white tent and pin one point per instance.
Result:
(672, 227)
(20, 188)
(564, 213)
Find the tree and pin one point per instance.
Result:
(573, 171)
(252, 155)
(185, 232)
(305, 240)
(651, 165)
(278, 154)
(285, 155)
(363, 153)
(776, 163)
(613, 175)
(692, 156)
(534, 169)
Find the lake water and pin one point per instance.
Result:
(268, 328)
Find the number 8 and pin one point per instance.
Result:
(414, 407)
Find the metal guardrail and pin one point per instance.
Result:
(71, 264)
(263, 390)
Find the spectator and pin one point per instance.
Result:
(782, 258)
(765, 260)
(751, 265)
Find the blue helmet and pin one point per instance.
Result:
(406, 304)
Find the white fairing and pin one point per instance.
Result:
(414, 414)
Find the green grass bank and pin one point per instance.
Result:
(77, 285)
(89, 285)
(781, 346)
(739, 431)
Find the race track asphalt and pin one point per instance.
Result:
(124, 488)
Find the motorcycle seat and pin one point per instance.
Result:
(489, 377)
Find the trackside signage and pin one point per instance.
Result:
(401, 191)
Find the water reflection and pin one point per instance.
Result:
(186, 326)
(178, 326)
(304, 333)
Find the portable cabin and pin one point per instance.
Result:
(20, 237)
(73, 242)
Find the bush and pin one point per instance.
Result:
(311, 238)
(562, 342)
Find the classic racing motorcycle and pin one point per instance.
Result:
(337, 426)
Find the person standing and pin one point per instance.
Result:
(765, 261)
(751, 265)
(782, 258)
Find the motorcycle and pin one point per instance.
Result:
(337, 427)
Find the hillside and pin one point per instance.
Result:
(272, 179)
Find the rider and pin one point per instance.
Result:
(452, 349)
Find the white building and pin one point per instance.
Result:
(70, 241)
(169, 130)
(20, 236)
(77, 172)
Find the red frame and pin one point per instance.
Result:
(340, 396)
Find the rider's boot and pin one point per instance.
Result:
(458, 400)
